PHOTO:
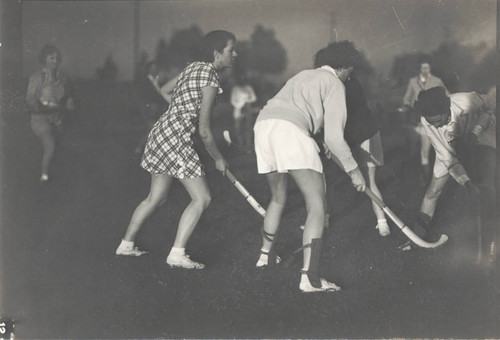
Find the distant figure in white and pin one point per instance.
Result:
(242, 98)
(423, 81)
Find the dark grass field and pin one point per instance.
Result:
(60, 278)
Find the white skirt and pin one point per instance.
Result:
(281, 146)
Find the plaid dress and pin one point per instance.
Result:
(169, 149)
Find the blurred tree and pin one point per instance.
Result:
(109, 70)
(451, 62)
(242, 62)
(364, 69)
(261, 58)
(405, 66)
(163, 54)
(483, 76)
(267, 54)
(184, 46)
(457, 65)
(140, 70)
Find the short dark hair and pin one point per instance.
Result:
(47, 50)
(433, 102)
(214, 41)
(337, 55)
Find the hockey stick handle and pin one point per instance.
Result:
(250, 199)
(401, 225)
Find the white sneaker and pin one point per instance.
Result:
(44, 178)
(383, 229)
(130, 252)
(264, 260)
(306, 286)
(183, 261)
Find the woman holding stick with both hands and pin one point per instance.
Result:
(169, 151)
(284, 144)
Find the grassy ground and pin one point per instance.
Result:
(60, 277)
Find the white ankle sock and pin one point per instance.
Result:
(264, 251)
(382, 221)
(127, 244)
(177, 251)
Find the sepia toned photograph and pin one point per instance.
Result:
(248, 169)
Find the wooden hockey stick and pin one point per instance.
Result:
(243, 191)
(404, 228)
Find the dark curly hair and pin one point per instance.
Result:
(214, 41)
(47, 50)
(337, 55)
(433, 102)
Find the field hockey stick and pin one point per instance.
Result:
(243, 191)
(250, 199)
(404, 228)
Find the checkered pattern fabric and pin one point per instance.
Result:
(169, 149)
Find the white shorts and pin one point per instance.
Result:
(281, 146)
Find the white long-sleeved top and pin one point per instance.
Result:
(469, 113)
(315, 99)
(415, 85)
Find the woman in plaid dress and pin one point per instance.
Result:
(169, 151)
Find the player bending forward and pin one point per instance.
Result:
(284, 145)
(455, 124)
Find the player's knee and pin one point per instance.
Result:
(279, 198)
(316, 208)
(153, 202)
(203, 200)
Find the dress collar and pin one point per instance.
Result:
(329, 69)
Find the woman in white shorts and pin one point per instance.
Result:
(369, 156)
(310, 101)
(363, 136)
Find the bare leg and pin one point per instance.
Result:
(311, 184)
(200, 199)
(43, 130)
(278, 183)
(160, 185)
(382, 226)
(369, 174)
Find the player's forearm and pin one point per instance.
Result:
(209, 141)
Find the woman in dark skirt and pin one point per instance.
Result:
(169, 151)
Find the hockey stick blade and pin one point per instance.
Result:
(404, 228)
